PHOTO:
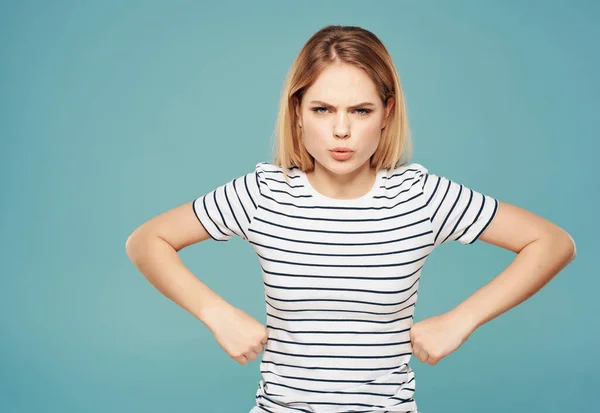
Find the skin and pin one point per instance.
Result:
(542, 248)
(336, 122)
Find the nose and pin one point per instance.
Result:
(341, 128)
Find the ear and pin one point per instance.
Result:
(298, 115)
(388, 109)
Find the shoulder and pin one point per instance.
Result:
(266, 170)
(276, 178)
(411, 171)
(272, 168)
(412, 167)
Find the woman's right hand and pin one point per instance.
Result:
(239, 334)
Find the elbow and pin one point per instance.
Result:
(567, 245)
(136, 243)
(132, 242)
(129, 246)
(561, 244)
(571, 247)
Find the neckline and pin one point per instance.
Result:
(375, 189)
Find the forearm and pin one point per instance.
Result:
(161, 265)
(533, 267)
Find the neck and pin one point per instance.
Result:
(348, 186)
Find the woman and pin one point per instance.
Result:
(342, 227)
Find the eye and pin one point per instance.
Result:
(365, 112)
(318, 110)
(322, 110)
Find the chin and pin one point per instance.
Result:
(339, 167)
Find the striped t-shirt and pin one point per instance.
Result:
(341, 278)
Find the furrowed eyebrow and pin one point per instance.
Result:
(318, 102)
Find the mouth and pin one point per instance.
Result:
(341, 154)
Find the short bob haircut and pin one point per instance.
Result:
(361, 48)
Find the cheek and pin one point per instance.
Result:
(314, 133)
(369, 133)
(312, 125)
(371, 128)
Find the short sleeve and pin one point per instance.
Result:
(229, 209)
(457, 213)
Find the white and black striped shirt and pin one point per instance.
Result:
(341, 279)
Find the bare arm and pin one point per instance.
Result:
(543, 250)
(153, 248)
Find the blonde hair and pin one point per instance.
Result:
(361, 48)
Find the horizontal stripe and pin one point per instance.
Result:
(341, 278)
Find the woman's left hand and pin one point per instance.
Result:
(434, 338)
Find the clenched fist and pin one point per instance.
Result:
(238, 333)
(434, 338)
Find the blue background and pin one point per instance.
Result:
(112, 112)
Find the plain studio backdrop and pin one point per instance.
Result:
(113, 112)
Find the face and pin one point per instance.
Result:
(342, 109)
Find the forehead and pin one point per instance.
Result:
(342, 83)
